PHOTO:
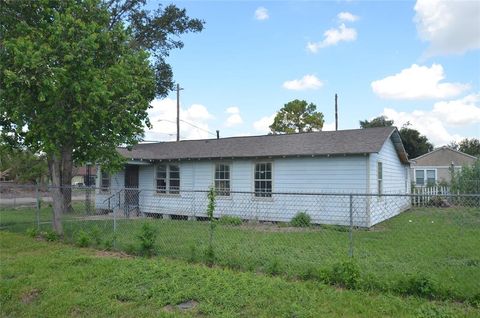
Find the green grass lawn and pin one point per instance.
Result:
(430, 251)
(48, 279)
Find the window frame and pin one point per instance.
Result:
(269, 195)
(224, 193)
(380, 178)
(425, 176)
(169, 189)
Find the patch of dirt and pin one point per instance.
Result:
(30, 296)
(112, 254)
(187, 305)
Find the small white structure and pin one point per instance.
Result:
(253, 177)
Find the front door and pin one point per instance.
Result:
(131, 189)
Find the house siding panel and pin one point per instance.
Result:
(395, 180)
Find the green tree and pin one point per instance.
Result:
(297, 116)
(470, 146)
(77, 77)
(380, 121)
(467, 180)
(23, 166)
(414, 143)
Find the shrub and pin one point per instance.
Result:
(83, 239)
(147, 238)
(301, 219)
(418, 285)
(345, 274)
(230, 220)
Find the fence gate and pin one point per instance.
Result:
(131, 190)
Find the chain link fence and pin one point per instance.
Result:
(413, 244)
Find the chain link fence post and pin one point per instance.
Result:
(38, 206)
(350, 234)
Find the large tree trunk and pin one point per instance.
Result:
(60, 166)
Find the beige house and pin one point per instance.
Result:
(434, 167)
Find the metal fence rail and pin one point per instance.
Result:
(390, 236)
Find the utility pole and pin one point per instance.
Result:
(336, 112)
(178, 111)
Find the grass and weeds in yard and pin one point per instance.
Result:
(429, 252)
(51, 279)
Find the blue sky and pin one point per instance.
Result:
(412, 61)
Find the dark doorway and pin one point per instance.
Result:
(131, 190)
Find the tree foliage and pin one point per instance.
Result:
(466, 180)
(414, 143)
(23, 166)
(469, 146)
(297, 116)
(380, 121)
(77, 77)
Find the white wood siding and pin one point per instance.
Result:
(395, 180)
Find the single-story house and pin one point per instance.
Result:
(253, 174)
(435, 166)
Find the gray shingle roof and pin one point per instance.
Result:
(342, 142)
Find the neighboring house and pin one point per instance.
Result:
(83, 177)
(167, 174)
(435, 167)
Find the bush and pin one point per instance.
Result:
(301, 219)
(83, 239)
(345, 274)
(418, 285)
(147, 238)
(230, 220)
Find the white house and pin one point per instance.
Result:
(253, 177)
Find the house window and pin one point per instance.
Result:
(425, 177)
(168, 179)
(263, 179)
(431, 178)
(222, 179)
(105, 182)
(380, 177)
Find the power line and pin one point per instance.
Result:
(188, 123)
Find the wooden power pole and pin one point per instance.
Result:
(336, 112)
(178, 111)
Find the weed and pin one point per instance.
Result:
(209, 256)
(147, 238)
(50, 236)
(273, 267)
(82, 239)
(301, 219)
(32, 232)
(418, 285)
(193, 253)
(96, 235)
(345, 274)
(429, 311)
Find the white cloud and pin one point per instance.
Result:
(306, 82)
(332, 37)
(434, 123)
(347, 17)
(262, 125)
(234, 118)
(163, 117)
(261, 14)
(465, 111)
(417, 82)
(451, 27)
(329, 126)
